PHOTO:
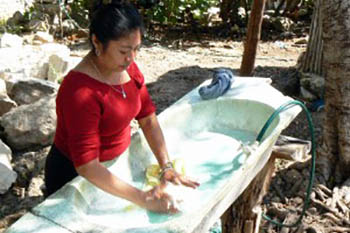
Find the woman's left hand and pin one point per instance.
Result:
(172, 176)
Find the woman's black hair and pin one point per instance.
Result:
(114, 19)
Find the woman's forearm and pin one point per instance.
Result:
(155, 139)
(154, 136)
(101, 177)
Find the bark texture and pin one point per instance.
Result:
(253, 37)
(336, 62)
(313, 58)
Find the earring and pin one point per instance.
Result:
(97, 52)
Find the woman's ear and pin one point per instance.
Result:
(97, 45)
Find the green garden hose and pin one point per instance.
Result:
(313, 156)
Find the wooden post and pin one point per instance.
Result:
(253, 37)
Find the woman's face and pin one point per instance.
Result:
(119, 54)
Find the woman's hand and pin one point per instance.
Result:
(158, 201)
(170, 175)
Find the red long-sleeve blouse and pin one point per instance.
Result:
(93, 119)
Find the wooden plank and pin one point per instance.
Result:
(291, 148)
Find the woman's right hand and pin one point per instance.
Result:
(158, 201)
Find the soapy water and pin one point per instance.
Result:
(210, 157)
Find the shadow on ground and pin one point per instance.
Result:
(174, 84)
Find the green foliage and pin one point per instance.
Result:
(166, 11)
(180, 11)
(2, 25)
(174, 12)
(80, 11)
(29, 14)
(14, 29)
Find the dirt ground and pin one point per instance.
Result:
(175, 67)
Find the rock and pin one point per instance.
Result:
(24, 166)
(11, 78)
(3, 89)
(16, 19)
(36, 187)
(282, 24)
(54, 48)
(59, 66)
(43, 37)
(6, 104)
(8, 176)
(313, 83)
(306, 95)
(11, 41)
(31, 60)
(31, 125)
(30, 90)
(242, 12)
(36, 25)
(29, 165)
(69, 26)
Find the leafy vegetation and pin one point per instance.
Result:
(171, 13)
(181, 11)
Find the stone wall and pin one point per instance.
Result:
(9, 7)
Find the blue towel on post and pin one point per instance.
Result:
(220, 84)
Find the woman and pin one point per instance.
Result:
(95, 104)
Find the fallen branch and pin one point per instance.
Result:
(342, 206)
(324, 189)
(333, 218)
(338, 229)
(329, 209)
(320, 194)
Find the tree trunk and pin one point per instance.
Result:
(336, 62)
(253, 37)
(311, 61)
